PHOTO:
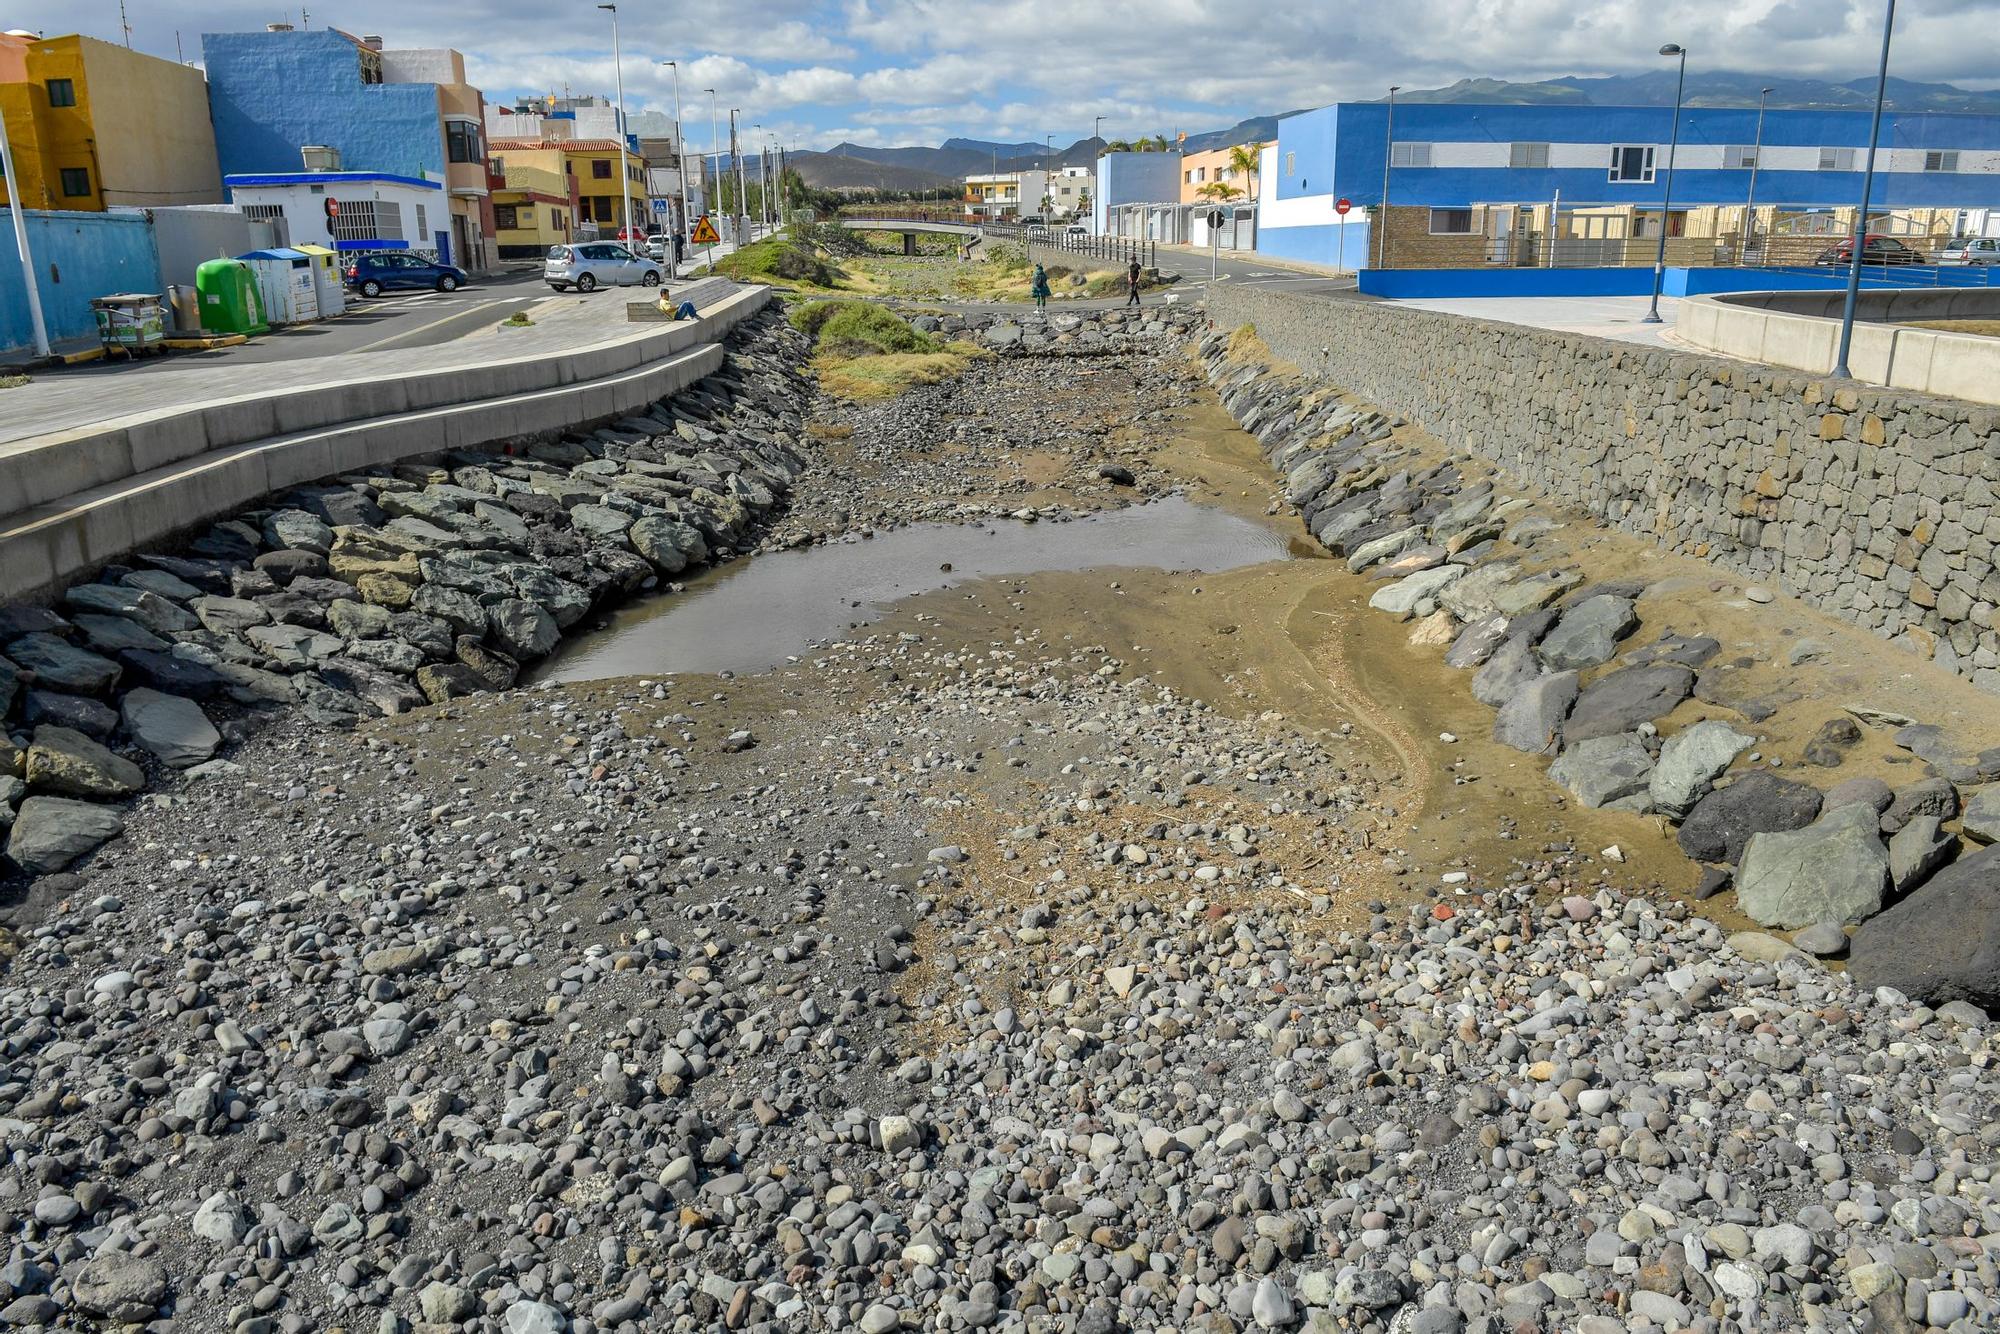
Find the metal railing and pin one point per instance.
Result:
(1117, 249)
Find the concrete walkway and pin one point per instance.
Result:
(59, 404)
(1619, 317)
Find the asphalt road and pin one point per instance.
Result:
(400, 320)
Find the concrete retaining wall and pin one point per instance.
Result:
(1875, 504)
(1802, 330)
(47, 546)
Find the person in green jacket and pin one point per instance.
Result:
(1040, 290)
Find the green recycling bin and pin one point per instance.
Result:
(229, 297)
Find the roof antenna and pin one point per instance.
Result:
(125, 25)
(305, 18)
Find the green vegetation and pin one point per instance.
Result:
(12, 381)
(866, 351)
(518, 320)
(783, 260)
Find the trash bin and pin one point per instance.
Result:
(183, 311)
(327, 282)
(131, 322)
(231, 302)
(285, 277)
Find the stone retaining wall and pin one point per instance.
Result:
(1876, 505)
(1068, 332)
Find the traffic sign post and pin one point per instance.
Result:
(705, 234)
(1340, 208)
(1214, 239)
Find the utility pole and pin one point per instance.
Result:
(21, 244)
(715, 144)
(680, 149)
(1388, 159)
(624, 167)
(1750, 203)
(736, 161)
(1861, 214)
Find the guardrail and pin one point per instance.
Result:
(1117, 249)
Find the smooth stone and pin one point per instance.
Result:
(1833, 870)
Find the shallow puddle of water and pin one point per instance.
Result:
(755, 613)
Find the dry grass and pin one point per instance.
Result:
(1990, 328)
(886, 375)
(12, 381)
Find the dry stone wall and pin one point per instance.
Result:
(1876, 505)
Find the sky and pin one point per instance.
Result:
(812, 73)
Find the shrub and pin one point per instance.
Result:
(858, 329)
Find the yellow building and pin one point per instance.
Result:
(94, 126)
(588, 169)
(534, 211)
(1199, 171)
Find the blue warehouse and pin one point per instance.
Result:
(1473, 185)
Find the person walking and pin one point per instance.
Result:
(1040, 289)
(1132, 283)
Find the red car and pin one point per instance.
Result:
(1874, 250)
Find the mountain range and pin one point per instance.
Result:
(861, 167)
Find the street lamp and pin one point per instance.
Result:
(680, 148)
(1756, 160)
(757, 138)
(1861, 217)
(624, 166)
(1388, 157)
(736, 161)
(1667, 197)
(715, 143)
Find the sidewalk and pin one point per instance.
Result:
(562, 323)
(1258, 258)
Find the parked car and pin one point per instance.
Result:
(656, 245)
(372, 275)
(1076, 229)
(1875, 250)
(1970, 250)
(598, 264)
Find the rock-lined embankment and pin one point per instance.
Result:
(373, 594)
(1546, 646)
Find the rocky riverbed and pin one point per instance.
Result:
(1050, 954)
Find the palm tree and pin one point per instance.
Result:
(1159, 143)
(1220, 192)
(1244, 158)
(1118, 146)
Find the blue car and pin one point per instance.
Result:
(372, 275)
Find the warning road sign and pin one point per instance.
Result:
(704, 232)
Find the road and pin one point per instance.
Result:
(401, 320)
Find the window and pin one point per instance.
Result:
(422, 230)
(504, 218)
(1836, 159)
(1945, 161)
(62, 92)
(601, 207)
(556, 221)
(1291, 163)
(1451, 222)
(1632, 163)
(600, 168)
(1409, 155)
(76, 182)
(1187, 177)
(461, 141)
(368, 220)
(1528, 155)
(1739, 157)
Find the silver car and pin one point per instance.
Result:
(589, 265)
(1970, 250)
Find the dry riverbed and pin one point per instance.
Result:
(1089, 949)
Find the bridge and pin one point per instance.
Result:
(1118, 249)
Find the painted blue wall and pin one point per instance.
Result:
(1318, 244)
(77, 256)
(1421, 284)
(1134, 178)
(1339, 149)
(269, 93)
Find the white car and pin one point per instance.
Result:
(1978, 250)
(594, 264)
(1076, 229)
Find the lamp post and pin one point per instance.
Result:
(624, 166)
(1667, 196)
(21, 245)
(715, 143)
(1756, 160)
(736, 161)
(1388, 156)
(1861, 215)
(763, 209)
(680, 147)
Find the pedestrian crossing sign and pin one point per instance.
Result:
(704, 232)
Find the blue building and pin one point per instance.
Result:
(1132, 178)
(1478, 184)
(272, 93)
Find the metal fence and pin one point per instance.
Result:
(1117, 249)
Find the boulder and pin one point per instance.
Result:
(148, 609)
(1926, 796)
(1833, 870)
(111, 635)
(524, 630)
(1621, 700)
(1604, 769)
(58, 665)
(120, 1286)
(1982, 815)
(1870, 792)
(70, 764)
(1417, 594)
(51, 832)
(79, 713)
(1931, 743)
(1512, 666)
(1690, 761)
(1942, 943)
(172, 728)
(1588, 632)
(1757, 803)
(298, 529)
(1477, 642)
(600, 524)
(1830, 744)
(1919, 848)
(1533, 719)
(293, 646)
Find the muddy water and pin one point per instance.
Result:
(756, 613)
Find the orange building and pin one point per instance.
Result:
(1201, 170)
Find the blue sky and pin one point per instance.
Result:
(814, 72)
